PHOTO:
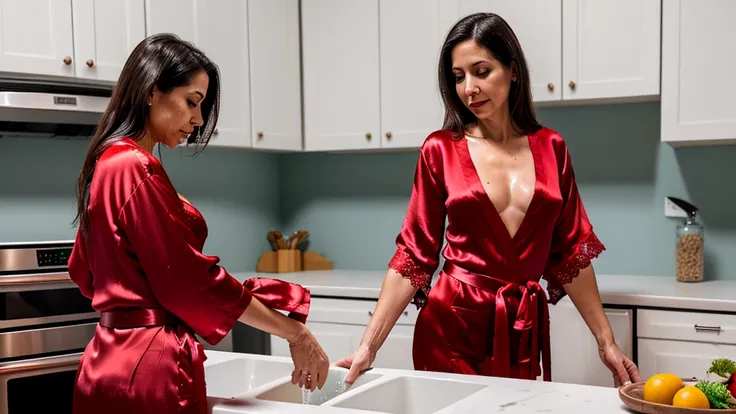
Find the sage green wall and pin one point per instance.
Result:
(353, 204)
(236, 191)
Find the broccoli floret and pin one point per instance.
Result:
(717, 394)
(722, 367)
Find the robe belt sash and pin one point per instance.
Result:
(151, 317)
(532, 313)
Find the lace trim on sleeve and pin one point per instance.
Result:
(569, 268)
(402, 263)
(584, 252)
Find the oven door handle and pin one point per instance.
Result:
(35, 279)
(62, 361)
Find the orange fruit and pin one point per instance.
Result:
(661, 388)
(690, 397)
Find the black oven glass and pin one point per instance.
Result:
(43, 303)
(47, 393)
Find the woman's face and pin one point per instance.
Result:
(174, 115)
(481, 81)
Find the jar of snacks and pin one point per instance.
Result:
(689, 254)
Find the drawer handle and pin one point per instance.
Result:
(708, 328)
(405, 313)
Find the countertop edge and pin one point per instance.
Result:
(658, 292)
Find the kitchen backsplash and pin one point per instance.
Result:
(236, 191)
(353, 204)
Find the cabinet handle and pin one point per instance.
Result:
(708, 328)
(90, 63)
(389, 135)
(405, 313)
(368, 136)
(68, 60)
(260, 135)
(572, 85)
(216, 131)
(551, 86)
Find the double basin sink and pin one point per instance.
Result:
(255, 384)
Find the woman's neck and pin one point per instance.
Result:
(500, 129)
(147, 142)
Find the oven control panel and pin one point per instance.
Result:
(53, 257)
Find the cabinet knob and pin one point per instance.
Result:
(572, 85)
(68, 60)
(389, 135)
(260, 135)
(368, 135)
(216, 131)
(90, 63)
(551, 86)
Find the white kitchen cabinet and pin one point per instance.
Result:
(698, 105)
(105, 33)
(683, 343)
(36, 37)
(341, 74)
(610, 49)
(89, 39)
(275, 73)
(411, 35)
(538, 26)
(253, 42)
(580, 50)
(339, 325)
(574, 351)
(220, 29)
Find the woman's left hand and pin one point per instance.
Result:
(624, 370)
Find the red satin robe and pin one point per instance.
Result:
(487, 313)
(144, 250)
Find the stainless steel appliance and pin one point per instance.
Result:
(49, 107)
(45, 324)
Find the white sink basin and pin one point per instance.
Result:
(409, 395)
(229, 379)
(334, 386)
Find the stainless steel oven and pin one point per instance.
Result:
(45, 324)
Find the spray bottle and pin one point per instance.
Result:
(689, 254)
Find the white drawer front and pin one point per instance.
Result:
(687, 326)
(353, 312)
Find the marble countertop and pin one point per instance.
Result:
(415, 391)
(628, 290)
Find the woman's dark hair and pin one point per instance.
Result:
(489, 30)
(161, 60)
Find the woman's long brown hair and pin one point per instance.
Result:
(492, 32)
(161, 60)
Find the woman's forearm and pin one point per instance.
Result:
(268, 320)
(583, 292)
(396, 293)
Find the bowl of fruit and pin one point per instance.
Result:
(665, 393)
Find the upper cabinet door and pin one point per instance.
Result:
(340, 52)
(105, 33)
(611, 48)
(275, 69)
(538, 26)
(220, 30)
(698, 82)
(36, 37)
(411, 106)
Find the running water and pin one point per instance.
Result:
(330, 390)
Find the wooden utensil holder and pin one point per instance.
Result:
(291, 260)
(288, 260)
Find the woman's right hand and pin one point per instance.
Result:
(311, 364)
(359, 361)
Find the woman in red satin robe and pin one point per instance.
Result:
(506, 186)
(138, 252)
